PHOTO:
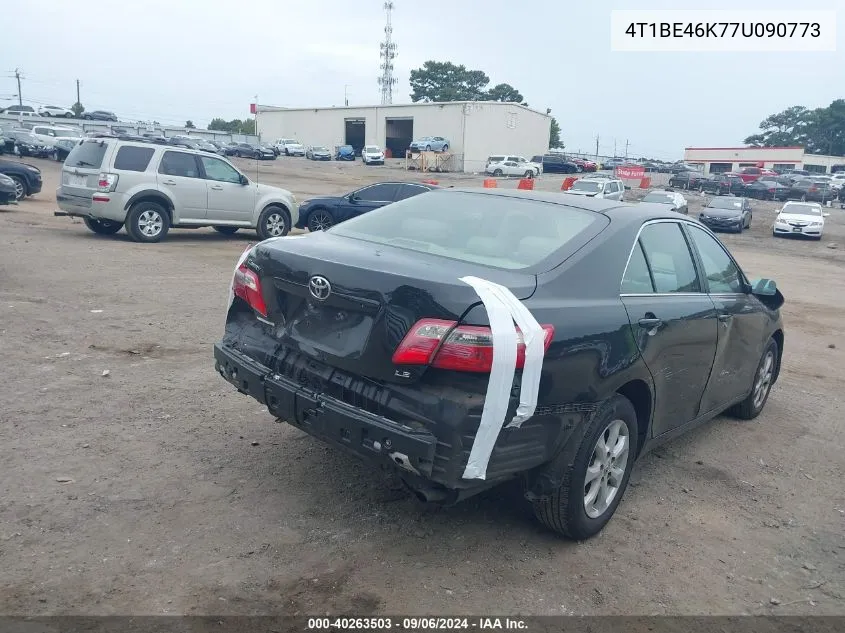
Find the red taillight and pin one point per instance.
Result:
(247, 286)
(813, 189)
(447, 345)
(106, 182)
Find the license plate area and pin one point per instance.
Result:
(797, 229)
(76, 180)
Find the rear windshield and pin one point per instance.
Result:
(496, 231)
(663, 198)
(87, 154)
(583, 185)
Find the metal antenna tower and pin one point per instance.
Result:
(387, 53)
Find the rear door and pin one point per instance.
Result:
(673, 320)
(366, 199)
(80, 174)
(228, 199)
(180, 177)
(741, 318)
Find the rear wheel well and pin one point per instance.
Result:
(778, 337)
(153, 197)
(639, 394)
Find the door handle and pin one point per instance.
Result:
(217, 187)
(724, 318)
(650, 323)
(169, 182)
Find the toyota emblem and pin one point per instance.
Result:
(319, 287)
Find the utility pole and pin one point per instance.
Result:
(346, 94)
(77, 92)
(626, 149)
(597, 145)
(18, 77)
(614, 148)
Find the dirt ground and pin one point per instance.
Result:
(157, 489)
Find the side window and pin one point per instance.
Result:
(131, 158)
(637, 278)
(216, 169)
(409, 191)
(378, 193)
(669, 258)
(179, 164)
(723, 275)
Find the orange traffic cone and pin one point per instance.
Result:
(567, 184)
(526, 183)
(489, 183)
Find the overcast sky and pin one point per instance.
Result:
(172, 60)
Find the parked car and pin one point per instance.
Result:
(792, 172)
(62, 147)
(613, 163)
(607, 188)
(99, 115)
(585, 165)
(319, 214)
(722, 184)
(842, 198)
(150, 188)
(800, 218)
(230, 149)
(430, 144)
(687, 179)
(20, 109)
(25, 143)
(510, 168)
(766, 190)
(672, 199)
(253, 150)
(49, 110)
(8, 190)
(812, 190)
(375, 336)
(182, 141)
(501, 158)
(318, 152)
(27, 178)
(48, 134)
(289, 147)
(837, 181)
(726, 213)
(555, 164)
(372, 155)
(271, 147)
(344, 152)
(750, 174)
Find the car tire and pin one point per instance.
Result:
(226, 230)
(55, 155)
(21, 190)
(274, 221)
(102, 227)
(764, 377)
(147, 222)
(803, 198)
(528, 174)
(45, 114)
(497, 172)
(69, 115)
(445, 148)
(565, 510)
(320, 220)
(428, 148)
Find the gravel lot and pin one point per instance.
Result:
(157, 489)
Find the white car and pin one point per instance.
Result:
(501, 158)
(837, 180)
(49, 110)
(511, 168)
(598, 187)
(673, 199)
(48, 134)
(372, 155)
(800, 218)
(290, 147)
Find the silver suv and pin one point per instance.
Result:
(150, 188)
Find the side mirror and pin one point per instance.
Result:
(764, 287)
(243, 180)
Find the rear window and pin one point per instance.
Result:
(88, 154)
(131, 158)
(496, 231)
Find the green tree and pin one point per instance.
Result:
(785, 128)
(505, 92)
(554, 135)
(190, 124)
(235, 126)
(77, 108)
(445, 81)
(248, 126)
(221, 125)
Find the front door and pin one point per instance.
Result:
(228, 199)
(741, 319)
(179, 177)
(673, 321)
(366, 199)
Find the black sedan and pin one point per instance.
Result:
(319, 214)
(99, 115)
(766, 190)
(252, 150)
(810, 190)
(8, 190)
(393, 337)
(688, 179)
(27, 178)
(722, 184)
(726, 213)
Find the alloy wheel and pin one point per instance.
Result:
(319, 221)
(606, 471)
(19, 190)
(150, 223)
(764, 379)
(276, 224)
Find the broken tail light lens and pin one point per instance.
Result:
(447, 345)
(247, 286)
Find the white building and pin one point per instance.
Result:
(475, 129)
(723, 159)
